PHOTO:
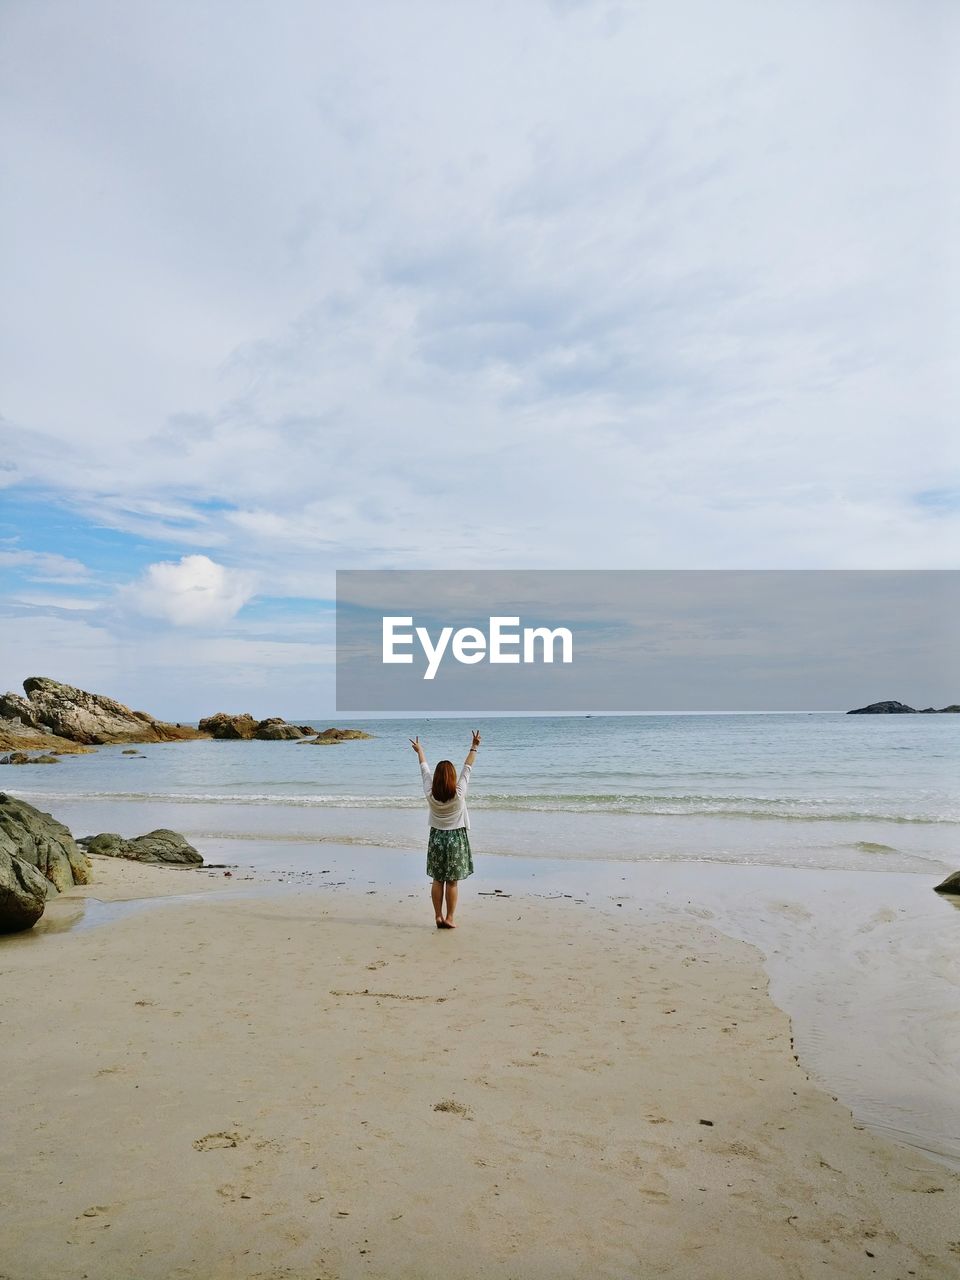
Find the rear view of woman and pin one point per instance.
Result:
(449, 859)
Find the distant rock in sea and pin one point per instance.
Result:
(52, 713)
(883, 709)
(276, 729)
(243, 728)
(228, 728)
(161, 845)
(330, 736)
(899, 709)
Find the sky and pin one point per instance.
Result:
(292, 288)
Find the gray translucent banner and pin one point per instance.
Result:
(645, 640)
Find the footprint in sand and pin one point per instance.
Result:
(230, 1192)
(225, 1138)
(455, 1108)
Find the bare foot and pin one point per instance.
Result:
(439, 923)
(447, 924)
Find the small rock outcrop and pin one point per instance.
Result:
(23, 893)
(162, 845)
(951, 885)
(39, 839)
(228, 728)
(330, 736)
(77, 716)
(277, 730)
(883, 709)
(243, 727)
(901, 708)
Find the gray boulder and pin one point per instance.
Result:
(23, 893)
(161, 845)
(950, 885)
(38, 838)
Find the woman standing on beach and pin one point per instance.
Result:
(448, 849)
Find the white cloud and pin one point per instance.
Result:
(45, 566)
(193, 592)
(490, 286)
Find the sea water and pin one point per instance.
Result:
(820, 790)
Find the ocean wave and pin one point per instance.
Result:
(652, 805)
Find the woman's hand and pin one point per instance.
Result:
(415, 743)
(476, 739)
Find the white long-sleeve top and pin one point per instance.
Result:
(452, 813)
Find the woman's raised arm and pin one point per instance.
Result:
(472, 753)
(426, 777)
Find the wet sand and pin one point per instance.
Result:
(319, 1084)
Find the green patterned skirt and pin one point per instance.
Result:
(448, 854)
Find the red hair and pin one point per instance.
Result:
(444, 781)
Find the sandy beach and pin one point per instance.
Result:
(322, 1085)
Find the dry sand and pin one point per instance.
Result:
(321, 1085)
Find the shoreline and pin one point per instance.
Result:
(871, 1025)
(872, 1014)
(583, 1049)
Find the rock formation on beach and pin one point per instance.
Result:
(38, 838)
(162, 845)
(901, 708)
(38, 859)
(951, 885)
(243, 727)
(56, 717)
(76, 716)
(23, 893)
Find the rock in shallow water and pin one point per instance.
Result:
(276, 729)
(950, 885)
(226, 727)
(243, 727)
(329, 736)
